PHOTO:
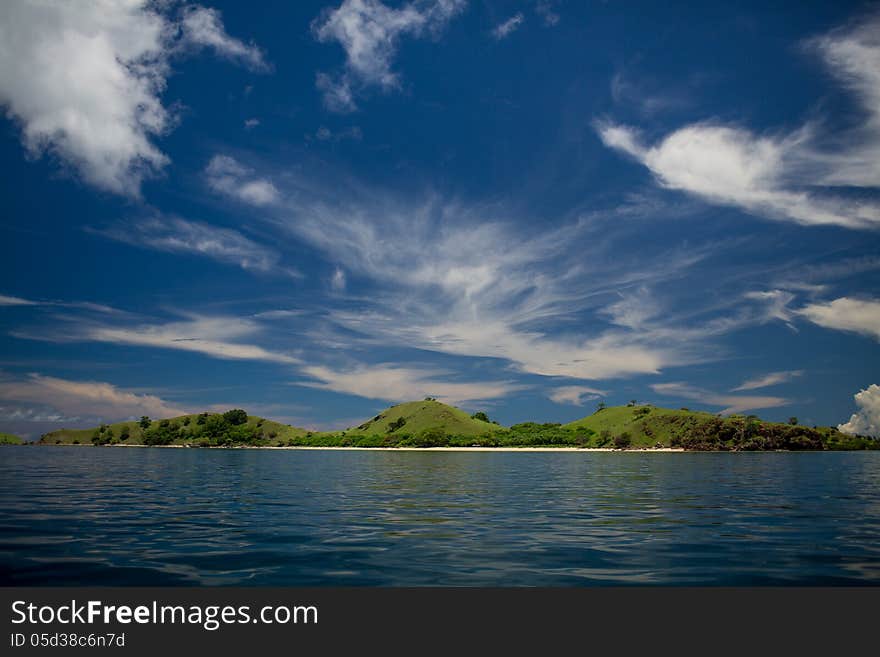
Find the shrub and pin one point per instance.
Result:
(145, 422)
(394, 426)
(430, 438)
(623, 440)
(480, 415)
(235, 416)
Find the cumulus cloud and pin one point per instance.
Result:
(228, 176)
(176, 235)
(866, 422)
(79, 398)
(732, 166)
(369, 32)
(395, 383)
(767, 380)
(83, 81)
(574, 395)
(780, 176)
(508, 27)
(846, 314)
(730, 403)
(249, 124)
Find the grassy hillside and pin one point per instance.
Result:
(418, 416)
(9, 439)
(202, 429)
(649, 426)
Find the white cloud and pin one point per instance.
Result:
(213, 336)
(395, 383)
(546, 9)
(732, 166)
(369, 32)
(574, 395)
(767, 380)
(866, 422)
(176, 235)
(227, 176)
(16, 301)
(508, 27)
(325, 134)
(203, 27)
(780, 176)
(462, 285)
(83, 81)
(337, 281)
(251, 123)
(78, 398)
(731, 403)
(845, 314)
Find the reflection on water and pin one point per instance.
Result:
(266, 517)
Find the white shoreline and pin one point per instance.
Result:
(401, 449)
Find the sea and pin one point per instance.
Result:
(242, 517)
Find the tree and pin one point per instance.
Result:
(480, 415)
(216, 426)
(145, 422)
(124, 433)
(623, 440)
(236, 416)
(600, 406)
(793, 420)
(632, 402)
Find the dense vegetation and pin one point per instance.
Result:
(429, 423)
(9, 439)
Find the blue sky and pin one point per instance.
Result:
(313, 210)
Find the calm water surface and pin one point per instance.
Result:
(267, 517)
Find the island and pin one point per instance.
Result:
(431, 424)
(9, 439)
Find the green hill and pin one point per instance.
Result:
(201, 429)
(9, 439)
(429, 423)
(418, 416)
(648, 426)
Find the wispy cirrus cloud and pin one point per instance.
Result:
(767, 380)
(730, 403)
(574, 395)
(222, 337)
(175, 235)
(395, 383)
(369, 32)
(68, 398)
(219, 337)
(84, 81)
(783, 176)
(508, 27)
